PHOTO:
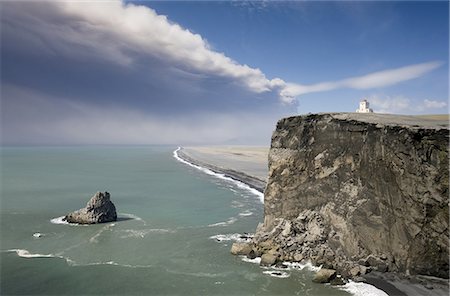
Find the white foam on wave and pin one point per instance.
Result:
(231, 237)
(362, 289)
(277, 274)
(111, 263)
(142, 233)
(281, 272)
(26, 254)
(132, 216)
(256, 260)
(357, 289)
(226, 223)
(300, 266)
(246, 213)
(289, 266)
(239, 184)
(59, 220)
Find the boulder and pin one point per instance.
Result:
(324, 276)
(252, 255)
(241, 249)
(338, 281)
(99, 209)
(268, 259)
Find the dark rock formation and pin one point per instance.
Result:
(99, 209)
(358, 192)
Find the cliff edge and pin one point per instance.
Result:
(358, 192)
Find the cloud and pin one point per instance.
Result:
(123, 33)
(124, 54)
(372, 80)
(115, 73)
(431, 104)
(109, 72)
(134, 35)
(34, 119)
(402, 104)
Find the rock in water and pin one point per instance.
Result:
(324, 276)
(241, 249)
(99, 209)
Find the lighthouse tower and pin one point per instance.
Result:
(364, 107)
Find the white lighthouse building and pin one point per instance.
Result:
(364, 107)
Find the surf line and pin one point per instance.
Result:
(219, 175)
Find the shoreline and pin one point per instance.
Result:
(251, 181)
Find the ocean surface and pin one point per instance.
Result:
(173, 236)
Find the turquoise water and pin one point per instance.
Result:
(165, 242)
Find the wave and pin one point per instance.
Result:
(246, 213)
(357, 289)
(277, 274)
(221, 176)
(26, 254)
(300, 266)
(60, 220)
(142, 233)
(256, 260)
(354, 288)
(362, 289)
(286, 265)
(231, 237)
(111, 263)
(225, 223)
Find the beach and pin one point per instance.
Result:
(248, 164)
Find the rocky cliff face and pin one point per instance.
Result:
(99, 209)
(358, 191)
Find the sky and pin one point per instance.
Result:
(211, 72)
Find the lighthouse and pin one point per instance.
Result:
(364, 107)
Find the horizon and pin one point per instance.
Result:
(139, 73)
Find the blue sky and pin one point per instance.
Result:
(186, 72)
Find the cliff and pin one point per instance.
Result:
(358, 192)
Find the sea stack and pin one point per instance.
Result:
(99, 209)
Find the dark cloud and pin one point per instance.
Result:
(72, 74)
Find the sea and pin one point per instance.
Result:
(176, 224)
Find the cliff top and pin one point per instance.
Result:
(410, 121)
